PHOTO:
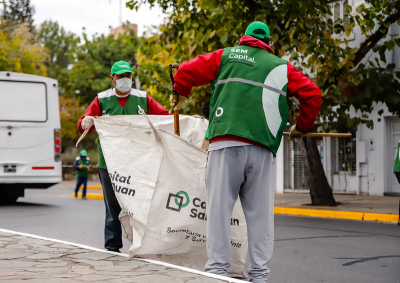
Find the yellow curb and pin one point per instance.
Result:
(89, 196)
(338, 214)
(94, 188)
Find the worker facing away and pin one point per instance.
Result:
(248, 113)
(120, 100)
(82, 164)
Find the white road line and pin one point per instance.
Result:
(210, 275)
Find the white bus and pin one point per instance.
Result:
(30, 135)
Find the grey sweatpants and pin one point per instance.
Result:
(244, 171)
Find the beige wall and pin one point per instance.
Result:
(119, 30)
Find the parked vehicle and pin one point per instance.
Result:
(30, 135)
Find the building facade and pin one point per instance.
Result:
(362, 164)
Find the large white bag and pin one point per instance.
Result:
(159, 181)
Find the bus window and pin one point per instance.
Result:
(23, 101)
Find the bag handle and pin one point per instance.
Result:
(157, 137)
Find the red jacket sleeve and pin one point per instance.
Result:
(309, 96)
(93, 110)
(154, 107)
(201, 70)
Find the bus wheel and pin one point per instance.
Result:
(10, 196)
(8, 200)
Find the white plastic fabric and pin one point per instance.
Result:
(159, 181)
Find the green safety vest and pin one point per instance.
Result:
(396, 168)
(82, 172)
(110, 106)
(248, 97)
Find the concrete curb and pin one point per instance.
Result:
(365, 216)
(209, 275)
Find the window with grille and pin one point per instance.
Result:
(300, 181)
(338, 9)
(287, 164)
(346, 153)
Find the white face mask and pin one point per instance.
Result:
(124, 85)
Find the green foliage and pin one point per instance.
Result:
(60, 46)
(70, 112)
(302, 31)
(92, 61)
(18, 51)
(19, 11)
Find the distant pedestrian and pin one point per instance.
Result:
(81, 165)
(396, 171)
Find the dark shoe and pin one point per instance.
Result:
(398, 223)
(83, 197)
(76, 194)
(115, 251)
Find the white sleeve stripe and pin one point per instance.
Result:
(106, 93)
(110, 92)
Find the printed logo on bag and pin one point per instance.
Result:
(178, 199)
(181, 200)
(121, 184)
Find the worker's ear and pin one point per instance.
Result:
(113, 80)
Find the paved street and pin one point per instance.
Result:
(306, 249)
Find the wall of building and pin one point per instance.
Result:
(373, 159)
(373, 171)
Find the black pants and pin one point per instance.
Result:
(112, 229)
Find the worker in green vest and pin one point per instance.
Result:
(122, 99)
(81, 165)
(396, 171)
(248, 113)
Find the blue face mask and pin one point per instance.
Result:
(124, 84)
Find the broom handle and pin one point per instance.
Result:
(338, 135)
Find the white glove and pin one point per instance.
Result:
(87, 122)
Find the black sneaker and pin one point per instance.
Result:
(76, 194)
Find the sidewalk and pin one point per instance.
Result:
(34, 259)
(369, 208)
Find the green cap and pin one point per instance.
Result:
(121, 67)
(83, 152)
(258, 29)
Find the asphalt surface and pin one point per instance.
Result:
(305, 250)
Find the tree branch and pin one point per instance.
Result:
(367, 45)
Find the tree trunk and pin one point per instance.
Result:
(320, 191)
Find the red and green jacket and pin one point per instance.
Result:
(249, 90)
(107, 103)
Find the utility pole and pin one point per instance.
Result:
(120, 12)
